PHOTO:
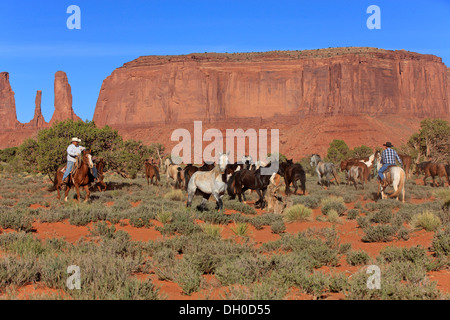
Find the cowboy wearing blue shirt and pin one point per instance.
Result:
(73, 150)
(388, 158)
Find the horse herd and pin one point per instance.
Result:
(235, 179)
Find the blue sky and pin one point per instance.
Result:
(35, 41)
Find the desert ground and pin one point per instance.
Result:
(135, 241)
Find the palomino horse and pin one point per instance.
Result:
(434, 169)
(292, 173)
(396, 177)
(152, 172)
(324, 169)
(207, 183)
(172, 172)
(81, 177)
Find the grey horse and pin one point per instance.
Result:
(209, 183)
(324, 169)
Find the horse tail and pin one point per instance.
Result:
(401, 185)
(303, 182)
(186, 179)
(157, 174)
(54, 181)
(335, 174)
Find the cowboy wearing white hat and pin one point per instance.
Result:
(73, 150)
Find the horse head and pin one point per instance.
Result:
(315, 158)
(223, 161)
(87, 158)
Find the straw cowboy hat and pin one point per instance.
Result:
(76, 139)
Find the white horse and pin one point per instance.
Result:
(396, 177)
(207, 183)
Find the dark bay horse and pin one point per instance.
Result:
(81, 177)
(100, 165)
(152, 172)
(252, 180)
(293, 172)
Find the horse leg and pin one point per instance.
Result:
(202, 205)
(287, 182)
(295, 185)
(77, 188)
(219, 202)
(88, 193)
(66, 193)
(191, 193)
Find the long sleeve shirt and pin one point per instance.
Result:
(389, 155)
(73, 151)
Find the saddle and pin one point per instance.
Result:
(75, 166)
(387, 173)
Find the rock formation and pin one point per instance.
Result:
(223, 87)
(63, 99)
(8, 117)
(38, 121)
(13, 132)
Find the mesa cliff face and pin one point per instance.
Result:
(291, 85)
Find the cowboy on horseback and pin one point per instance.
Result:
(73, 151)
(388, 158)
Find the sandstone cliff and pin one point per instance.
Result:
(63, 99)
(12, 131)
(8, 118)
(216, 87)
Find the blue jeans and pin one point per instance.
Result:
(94, 172)
(383, 169)
(68, 169)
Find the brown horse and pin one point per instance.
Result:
(365, 171)
(81, 177)
(152, 172)
(433, 169)
(100, 165)
(406, 160)
(420, 167)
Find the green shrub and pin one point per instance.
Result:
(333, 203)
(332, 216)
(212, 230)
(187, 276)
(240, 229)
(175, 195)
(278, 227)
(426, 220)
(358, 257)
(441, 243)
(352, 214)
(379, 233)
(297, 212)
